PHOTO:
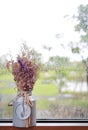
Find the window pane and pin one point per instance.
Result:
(57, 31)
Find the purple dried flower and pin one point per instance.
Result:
(23, 66)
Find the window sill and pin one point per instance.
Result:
(51, 124)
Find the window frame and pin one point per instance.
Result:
(45, 121)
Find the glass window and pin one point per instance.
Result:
(57, 32)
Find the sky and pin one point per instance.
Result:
(38, 22)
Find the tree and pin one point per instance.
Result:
(60, 65)
(82, 27)
(58, 62)
(3, 61)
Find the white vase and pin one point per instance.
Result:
(24, 115)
